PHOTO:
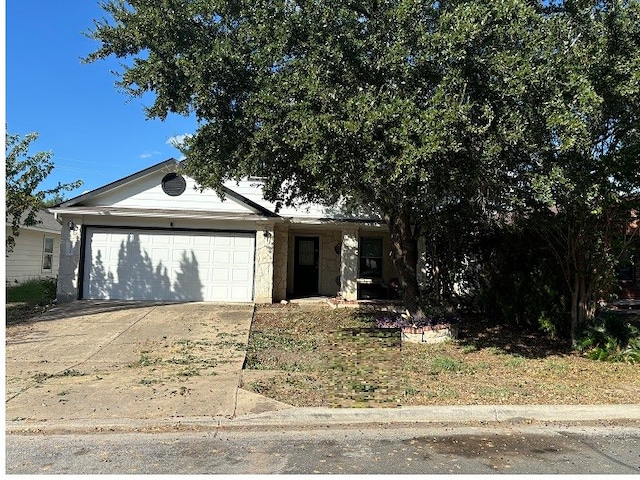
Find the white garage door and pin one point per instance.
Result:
(124, 264)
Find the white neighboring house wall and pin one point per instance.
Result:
(36, 248)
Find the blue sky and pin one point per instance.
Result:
(96, 133)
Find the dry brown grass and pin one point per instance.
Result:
(315, 356)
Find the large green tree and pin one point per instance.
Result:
(587, 181)
(24, 174)
(410, 107)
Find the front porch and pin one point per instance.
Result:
(327, 260)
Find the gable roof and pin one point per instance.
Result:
(247, 202)
(169, 165)
(46, 222)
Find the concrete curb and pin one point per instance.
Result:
(331, 417)
(440, 414)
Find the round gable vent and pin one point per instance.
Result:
(173, 184)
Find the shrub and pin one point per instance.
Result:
(610, 337)
(521, 283)
(40, 291)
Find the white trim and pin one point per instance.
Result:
(97, 211)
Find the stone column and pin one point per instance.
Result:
(349, 264)
(70, 254)
(280, 262)
(264, 263)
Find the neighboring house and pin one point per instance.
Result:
(154, 236)
(630, 281)
(36, 252)
(629, 274)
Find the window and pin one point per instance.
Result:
(370, 257)
(626, 272)
(47, 254)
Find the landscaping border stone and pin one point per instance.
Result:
(430, 334)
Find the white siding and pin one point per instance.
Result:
(253, 191)
(25, 262)
(147, 193)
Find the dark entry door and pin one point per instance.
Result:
(305, 266)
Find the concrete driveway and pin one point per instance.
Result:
(97, 360)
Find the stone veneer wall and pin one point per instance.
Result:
(330, 263)
(263, 286)
(280, 262)
(70, 252)
(349, 264)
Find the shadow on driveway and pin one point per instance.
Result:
(79, 308)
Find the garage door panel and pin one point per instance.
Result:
(220, 275)
(238, 293)
(202, 241)
(179, 256)
(221, 293)
(221, 257)
(242, 242)
(240, 275)
(160, 253)
(162, 240)
(168, 265)
(241, 258)
(223, 241)
(202, 256)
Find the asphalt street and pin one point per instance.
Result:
(390, 449)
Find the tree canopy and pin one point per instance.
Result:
(416, 108)
(24, 174)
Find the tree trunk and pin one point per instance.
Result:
(404, 253)
(435, 271)
(581, 306)
(575, 294)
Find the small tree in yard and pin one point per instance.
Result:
(24, 174)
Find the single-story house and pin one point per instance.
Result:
(36, 252)
(154, 236)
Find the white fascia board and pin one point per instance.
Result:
(75, 211)
(337, 223)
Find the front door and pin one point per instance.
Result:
(305, 266)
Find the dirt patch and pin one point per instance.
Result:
(22, 312)
(361, 365)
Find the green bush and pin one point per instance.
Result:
(610, 337)
(39, 291)
(521, 282)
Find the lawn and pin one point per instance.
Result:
(311, 355)
(29, 299)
